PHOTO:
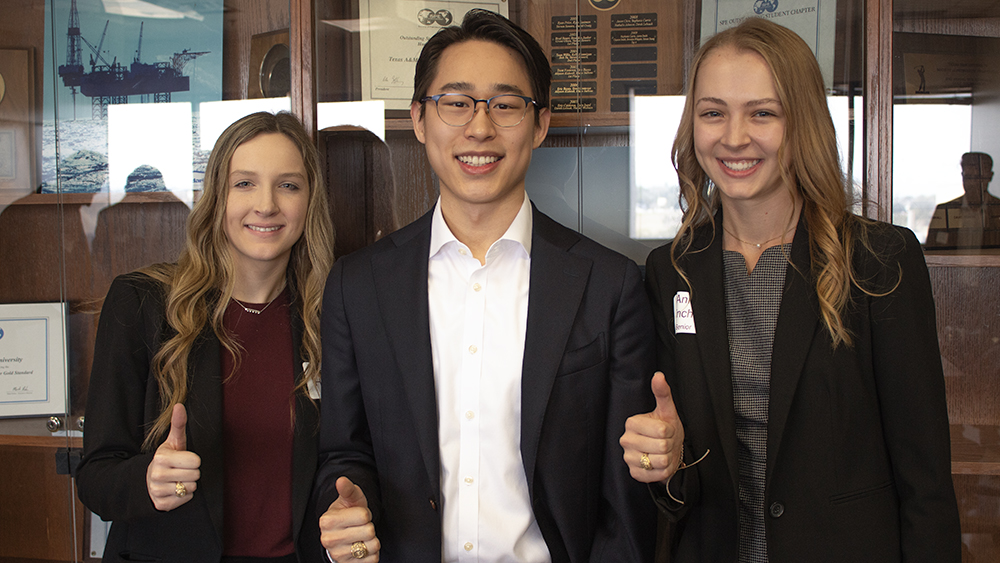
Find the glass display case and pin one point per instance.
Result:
(944, 139)
(98, 169)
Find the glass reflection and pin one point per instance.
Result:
(924, 173)
(367, 115)
(156, 157)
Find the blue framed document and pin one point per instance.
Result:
(32, 359)
(814, 20)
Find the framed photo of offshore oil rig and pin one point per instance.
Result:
(153, 54)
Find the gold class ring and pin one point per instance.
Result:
(644, 462)
(359, 550)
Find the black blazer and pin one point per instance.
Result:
(858, 452)
(122, 403)
(588, 358)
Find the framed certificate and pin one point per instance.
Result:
(32, 359)
(814, 20)
(392, 34)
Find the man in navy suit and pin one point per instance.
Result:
(479, 363)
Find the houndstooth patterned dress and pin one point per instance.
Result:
(752, 303)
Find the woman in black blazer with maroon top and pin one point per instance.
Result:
(797, 339)
(202, 423)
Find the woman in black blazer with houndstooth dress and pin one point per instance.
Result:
(798, 340)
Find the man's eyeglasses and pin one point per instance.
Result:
(506, 110)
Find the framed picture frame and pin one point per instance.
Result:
(17, 116)
(32, 359)
(392, 34)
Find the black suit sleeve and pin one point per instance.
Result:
(112, 475)
(628, 530)
(661, 282)
(345, 444)
(911, 394)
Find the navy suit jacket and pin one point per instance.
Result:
(858, 452)
(588, 359)
(122, 404)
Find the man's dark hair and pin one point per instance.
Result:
(484, 25)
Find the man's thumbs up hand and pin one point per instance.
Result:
(346, 529)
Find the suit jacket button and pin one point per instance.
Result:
(777, 509)
(434, 505)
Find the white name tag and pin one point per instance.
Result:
(315, 392)
(683, 315)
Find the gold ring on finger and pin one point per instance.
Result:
(644, 462)
(359, 550)
(179, 489)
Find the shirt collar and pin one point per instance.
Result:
(519, 230)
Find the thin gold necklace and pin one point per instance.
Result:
(757, 244)
(257, 311)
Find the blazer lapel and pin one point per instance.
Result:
(557, 283)
(793, 335)
(304, 438)
(704, 270)
(204, 427)
(400, 276)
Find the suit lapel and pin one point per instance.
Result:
(793, 336)
(708, 302)
(204, 428)
(557, 283)
(400, 276)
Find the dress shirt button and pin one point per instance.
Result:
(468, 546)
(473, 349)
(777, 509)
(469, 480)
(469, 415)
(462, 251)
(476, 287)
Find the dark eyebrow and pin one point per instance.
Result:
(463, 87)
(456, 87)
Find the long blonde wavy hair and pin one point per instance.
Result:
(199, 286)
(810, 142)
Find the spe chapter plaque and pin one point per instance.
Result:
(604, 51)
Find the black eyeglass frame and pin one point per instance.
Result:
(475, 104)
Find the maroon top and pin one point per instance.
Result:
(257, 405)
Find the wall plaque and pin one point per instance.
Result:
(560, 89)
(573, 72)
(603, 51)
(574, 39)
(270, 65)
(629, 21)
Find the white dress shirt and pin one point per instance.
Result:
(478, 316)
